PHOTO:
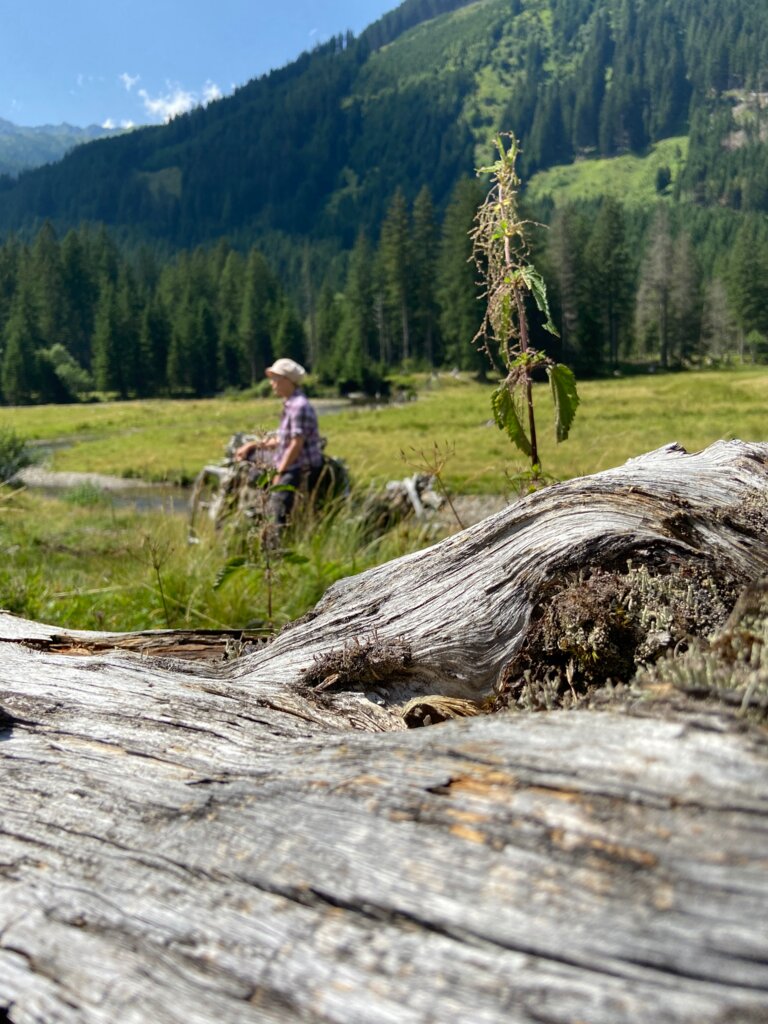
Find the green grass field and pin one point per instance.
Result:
(617, 419)
(85, 560)
(630, 178)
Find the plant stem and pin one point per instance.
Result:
(447, 497)
(159, 576)
(522, 321)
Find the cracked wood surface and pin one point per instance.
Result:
(464, 604)
(197, 841)
(562, 867)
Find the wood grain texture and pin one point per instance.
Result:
(203, 840)
(464, 605)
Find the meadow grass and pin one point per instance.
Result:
(84, 559)
(630, 178)
(154, 440)
(93, 563)
(617, 419)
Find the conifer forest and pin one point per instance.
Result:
(323, 211)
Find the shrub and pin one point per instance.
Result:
(14, 454)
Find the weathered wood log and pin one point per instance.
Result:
(259, 838)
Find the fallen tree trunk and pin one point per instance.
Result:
(200, 838)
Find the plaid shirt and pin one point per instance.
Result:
(299, 420)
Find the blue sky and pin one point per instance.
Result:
(112, 62)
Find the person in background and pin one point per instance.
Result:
(298, 455)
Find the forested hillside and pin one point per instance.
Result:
(349, 175)
(320, 147)
(22, 147)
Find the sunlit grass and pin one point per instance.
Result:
(617, 419)
(630, 178)
(84, 560)
(87, 560)
(155, 440)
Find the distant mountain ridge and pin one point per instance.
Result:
(24, 148)
(316, 150)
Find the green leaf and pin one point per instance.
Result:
(534, 282)
(294, 558)
(505, 414)
(564, 396)
(231, 568)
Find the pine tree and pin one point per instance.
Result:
(103, 256)
(11, 255)
(106, 365)
(255, 328)
(685, 302)
(154, 340)
(590, 86)
(21, 341)
(176, 366)
(609, 279)
(80, 292)
(128, 328)
(329, 317)
(458, 292)
(356, 334)
(653, 308)
(719, 329)
(748, 276)
(47, 274)
(290, 339)
(230, 365)
(191, 365)
(309, 300)
(202, 344)
(424, 261)
(564, 266)
(549, 140)
(394, 260)
(667, 84)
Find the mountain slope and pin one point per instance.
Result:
(318, 148)
(23, 148)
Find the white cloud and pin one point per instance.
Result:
(178, 101)
(129, 80)
(83, 80)
(211, 92)
(109, 124)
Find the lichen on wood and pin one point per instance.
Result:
(729, 670)
(599, 626)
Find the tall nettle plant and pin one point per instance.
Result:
(501, 254)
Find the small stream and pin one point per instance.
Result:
(143, 497)
(138, 494)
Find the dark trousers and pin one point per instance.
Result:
(281, 502)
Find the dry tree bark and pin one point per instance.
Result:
(190, 836)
